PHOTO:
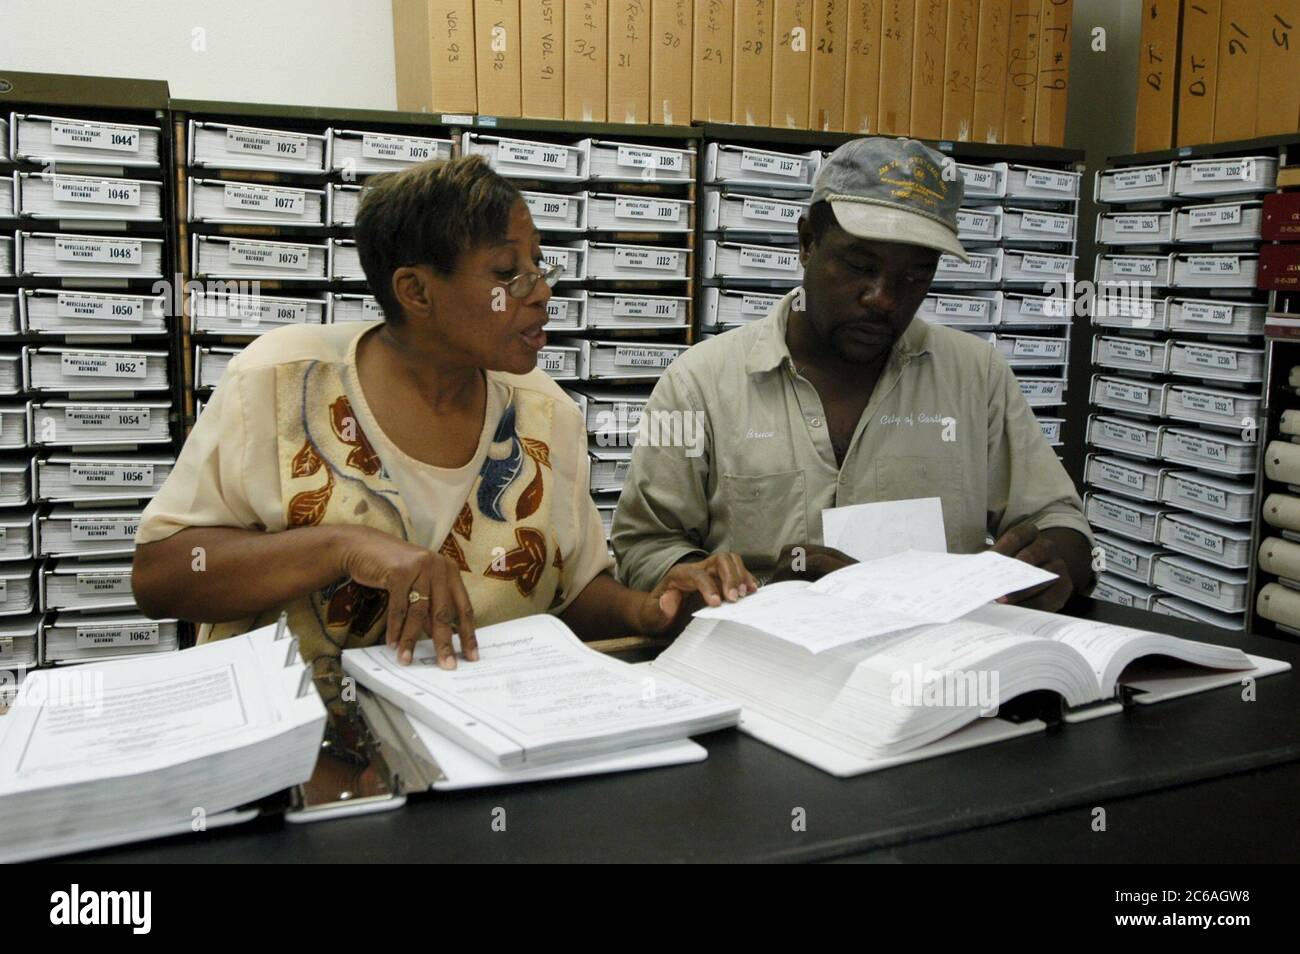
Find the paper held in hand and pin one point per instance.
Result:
(880, 596)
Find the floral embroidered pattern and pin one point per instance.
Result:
(523, 565)
(537, 450)
(451, 549)
(306, 462)
(348, 430)
(307, 509)
(464, 524)
(504, 462)
(531, 498)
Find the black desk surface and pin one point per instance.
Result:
(1028, 798)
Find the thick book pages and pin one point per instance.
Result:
(538, 696)
(107, 753)
(885, 697)
(463, 769)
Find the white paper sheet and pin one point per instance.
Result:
(535, 693)
(872, 530)
(465, 770)
(879, 597)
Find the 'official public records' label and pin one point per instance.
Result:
(1214, 264)
(137, 634)
(773, 164)
(104, 583)
(626, 356)
(769, 210)
(254, 311)
(108, 418)
(1212, 215)
(548, 206)
(87, 529)
(1196, 537)
(82, 474)
(398, 148)
(961, 307)
(1121, 475)
(1208, 403)
(625, 307)
(94, 136)
(1127, 393)
(1052, 181)
(659, 259)
(1135, 266)
(654, 210)
(115, 251)
(97, 191)
(550, 360)
(1044, 222)
(262, 142)
(103, 365)
(978, 265)
(1207, 311)
(1200, 493)
(979, 223)
(1139, 178)
(756, 306)
(260, 199)
(1136, 224)
(533, 154)
(636, 157)
(77, 306)
(979, 180)
(292, 257)
(1211, 358)
(769, 259)
(1195, 581)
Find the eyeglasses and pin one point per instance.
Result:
(522, 285)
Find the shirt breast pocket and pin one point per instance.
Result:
(907, 478)
(765, 512)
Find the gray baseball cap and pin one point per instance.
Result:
(894, 190)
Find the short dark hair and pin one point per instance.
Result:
(429, 214)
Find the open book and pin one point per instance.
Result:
(538, 696)
(882, 698)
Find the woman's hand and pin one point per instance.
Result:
(688, 586)
(405, 571)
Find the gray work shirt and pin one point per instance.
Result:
(740, 458)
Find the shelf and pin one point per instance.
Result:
(1212, 150)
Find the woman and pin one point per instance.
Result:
(410, 477)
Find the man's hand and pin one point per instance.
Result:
(808, 561)
(687, 586)
(1025, 542)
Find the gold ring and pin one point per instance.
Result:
(414, 597)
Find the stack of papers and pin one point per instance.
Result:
(108, 753)
(539, 701)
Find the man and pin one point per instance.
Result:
(840, 396)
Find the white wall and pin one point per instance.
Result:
(295, 52)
